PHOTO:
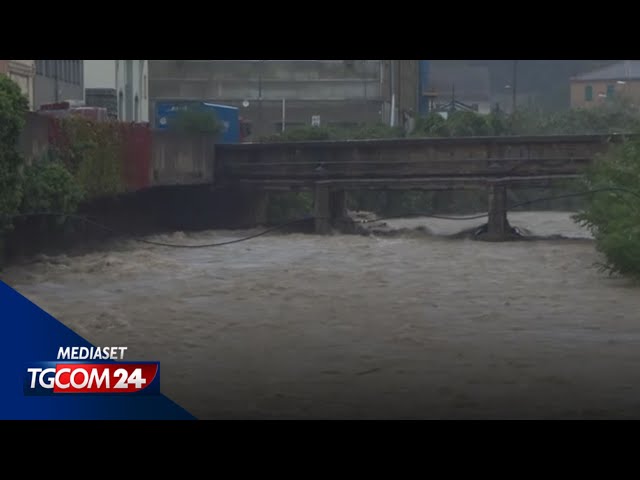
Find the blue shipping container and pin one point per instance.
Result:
(225, 114)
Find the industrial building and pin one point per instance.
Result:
(278, 94)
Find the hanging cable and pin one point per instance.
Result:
(162, 244)
(309, 217)
(517, 205)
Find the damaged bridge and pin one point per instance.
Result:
(331, 168)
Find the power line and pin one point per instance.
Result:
(160, 244)
(517, 205)
(310, 217)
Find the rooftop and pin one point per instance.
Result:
(625, 70)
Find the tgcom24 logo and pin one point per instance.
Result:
(91, 371)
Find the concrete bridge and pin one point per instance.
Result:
(329, 168)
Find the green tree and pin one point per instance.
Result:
(613, 216)
(498, 123)
(50, 187)
(432, 125)
(196, 120)
(467, 124)
(301, 134)
(13, 107)
(364, 132)
(311, 134)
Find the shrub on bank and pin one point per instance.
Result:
(613, 216)
(13, 107)
(49, 187)
(311, 134)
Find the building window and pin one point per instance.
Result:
(588, 93)
(610, 90)
(39, 67)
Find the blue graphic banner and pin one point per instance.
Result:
(30, 336)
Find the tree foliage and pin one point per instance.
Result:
(302, 134)
(613, 116)
(360, 132)
(196, 120)
(13, 107)
(50, 187)
(613, 216)
(432, 125)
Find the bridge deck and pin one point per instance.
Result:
(388, 161)
(421, 141)
(331, 168)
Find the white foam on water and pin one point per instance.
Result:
(342, 326)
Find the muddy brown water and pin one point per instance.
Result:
(346, 326)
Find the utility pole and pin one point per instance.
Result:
(283, 114)
(56, 64)
(260, 128)
(392, 78)
(514, 82)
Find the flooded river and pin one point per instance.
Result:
(347, 326)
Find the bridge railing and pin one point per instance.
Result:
(411, 158)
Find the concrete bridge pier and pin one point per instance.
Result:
(330, 208)
(322, 209)
(338, 207)
(497, 226)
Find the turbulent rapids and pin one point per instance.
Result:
(411, 320)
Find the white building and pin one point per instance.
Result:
(126, 81)
(22, 72)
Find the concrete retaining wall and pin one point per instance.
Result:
(182, 159)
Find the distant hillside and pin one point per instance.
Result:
(546, 80)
